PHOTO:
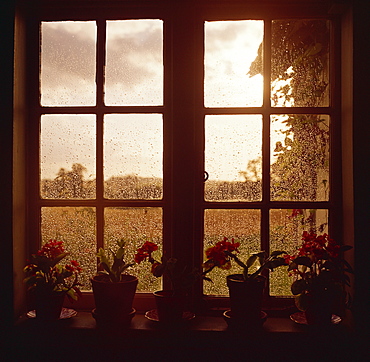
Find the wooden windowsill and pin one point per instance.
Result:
(85, 321)
(202, 337)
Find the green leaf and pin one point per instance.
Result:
(30, 280)
(251, 260)
(57, 259)
(105, 267)
(344, 248)
(102, 256)
(328, 265)
(103, 272)
(117, 264)
(120, 253)
(303, 260)
(277, 253)
(346, 280)
(276, 263)
(125, 266)
(71, 293)
(260, 254)
(348, 267)
(298, 286)
(159, 270)
(121, 243)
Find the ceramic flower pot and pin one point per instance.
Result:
(318, 309)
(113, 301)
(48, 306)
(246, 298)
(170, 308)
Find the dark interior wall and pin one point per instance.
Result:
(361, 157)
(6, 162)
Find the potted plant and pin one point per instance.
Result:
(49, 282)
(113, 290)
(170, 303)
(320, 276)
(245, 289)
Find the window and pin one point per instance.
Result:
(137, 104)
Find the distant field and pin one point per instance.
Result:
(76, 226)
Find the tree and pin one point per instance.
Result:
(299, 78)
(68, 184)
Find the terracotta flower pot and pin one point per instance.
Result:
(113, 301)
(170, 308)
(246, 298)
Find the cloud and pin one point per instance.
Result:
(134, 64)
(134, 67)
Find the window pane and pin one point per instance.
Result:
(230, 49)
(134, 62)
(286, 228)
(244, 227)
(67, 156)
(233, 153)
(68, 63)
(300, 157)
(300, 63)
(135, 226)
(76, 227)
(133, 153)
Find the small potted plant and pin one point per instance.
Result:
(170, 303)
(49, 282)
(113, 290)
(245, 289)
(320, 276)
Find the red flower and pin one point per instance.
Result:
(140, 256)
(75, 263)
(288, 259)
(296, 212)
(51, 249)
(145, 251)
(49, 275)
(149, 247)
(217, 252)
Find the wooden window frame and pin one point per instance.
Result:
(183, 110)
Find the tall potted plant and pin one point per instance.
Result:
(113, 290)
(320, 276)
(171, 302)
(49, 282)
(245, 289)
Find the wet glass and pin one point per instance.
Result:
(67, 156)
(133, 155)
(68, 63)
(300, 63)
(241, 224)
(300, 157)
(286, 228)
(230, 49)
(76, 227)
(233, 157)
(135, 226)
(134, 63)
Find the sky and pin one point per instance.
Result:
(133, 144)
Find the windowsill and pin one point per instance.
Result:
(202, 335)
(207, 324)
